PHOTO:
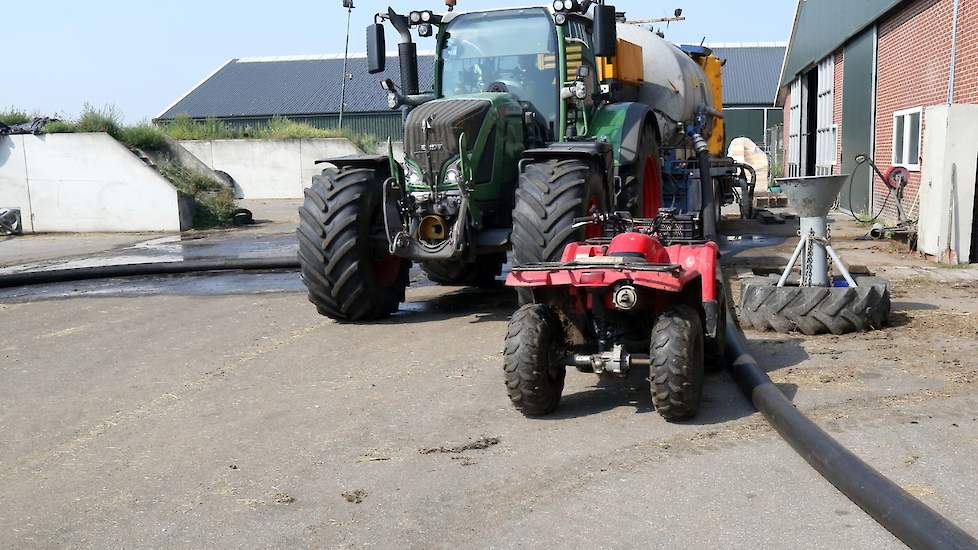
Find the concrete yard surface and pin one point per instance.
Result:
(239, 418)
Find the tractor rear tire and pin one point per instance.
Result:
(550, 195)
(532, 360)
(481, 272)
(676, 373)
(815, 310)
(346, 266)
(647, 165)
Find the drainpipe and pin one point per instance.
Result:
(954, 52)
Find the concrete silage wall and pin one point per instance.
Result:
(84, 183)
(270, 168)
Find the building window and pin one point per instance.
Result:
(906, 138)
(794, 130)
(825, 129)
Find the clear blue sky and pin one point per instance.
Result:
(141, 56)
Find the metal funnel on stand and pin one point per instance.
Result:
(812, 197)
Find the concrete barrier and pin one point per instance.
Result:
(85, 183)
(270, 168)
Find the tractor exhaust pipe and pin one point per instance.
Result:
(907, 518)
(407, 53)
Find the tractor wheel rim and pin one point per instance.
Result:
(387, 269)
(593, 231)
(651, 187)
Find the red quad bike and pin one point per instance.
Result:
(646, 294)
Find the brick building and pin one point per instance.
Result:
(868, 77)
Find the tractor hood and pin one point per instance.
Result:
(432, 132)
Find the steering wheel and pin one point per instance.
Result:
(498, 87)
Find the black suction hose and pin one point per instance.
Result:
(708, 194)
(156, 268)
(909, 519)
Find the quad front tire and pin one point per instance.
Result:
(532, 360)
(343, 250)
(676, 373)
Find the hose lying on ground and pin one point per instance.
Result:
(157, 268)
(909, 519)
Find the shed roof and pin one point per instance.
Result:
(297, 85)
(310, 85)
(750, 76)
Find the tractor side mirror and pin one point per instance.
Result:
(605, 31)
(376, 49)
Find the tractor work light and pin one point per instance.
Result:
(415, 17)
(566, 5)
(425, 30)
(426, 16)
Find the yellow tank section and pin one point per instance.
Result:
(713, 67)
(627, 65)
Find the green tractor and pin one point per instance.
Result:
(535, 120)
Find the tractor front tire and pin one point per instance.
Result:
(815, 310)
(676, 373)
(532, 360)
(481, 272)
(346, 265)
(550, 195)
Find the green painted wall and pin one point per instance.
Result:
(857, 112)
(749, 122)
(381, 125)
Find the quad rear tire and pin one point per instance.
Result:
(346, 265)
(676, 373)
(815, 310)
(532, 360)
(550, 195)
(481, 272)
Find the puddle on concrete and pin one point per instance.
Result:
(205, 284)
(175, 249)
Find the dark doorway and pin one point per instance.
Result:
(811, 121)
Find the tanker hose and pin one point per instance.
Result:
(156, 268)
(707, 189)
(907, 518)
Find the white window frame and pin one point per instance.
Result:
(905, 114)
(826, 144)
(793, 159)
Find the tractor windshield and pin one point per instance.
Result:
(508, 50)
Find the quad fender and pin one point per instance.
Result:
(705, 260)
(621, 125)
(598, 152)
(702, 259)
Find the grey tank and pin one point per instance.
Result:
(675, 86)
